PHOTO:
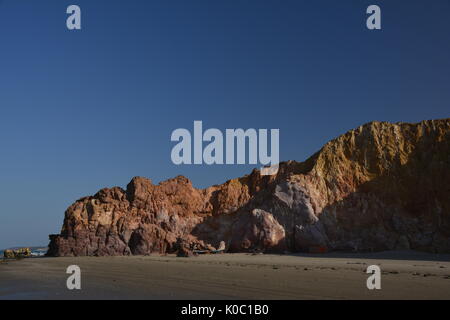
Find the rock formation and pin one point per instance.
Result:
(378, 187)
(17, 253)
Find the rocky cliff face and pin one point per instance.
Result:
(381, 186)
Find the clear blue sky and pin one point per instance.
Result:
(92, 108)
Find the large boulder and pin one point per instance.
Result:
(259, 231)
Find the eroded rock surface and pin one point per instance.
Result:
(378, 187)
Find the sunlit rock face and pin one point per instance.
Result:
(378, 187)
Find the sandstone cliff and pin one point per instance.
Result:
(380, 186)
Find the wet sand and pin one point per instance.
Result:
(405, 275)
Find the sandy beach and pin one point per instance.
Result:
(405, 275)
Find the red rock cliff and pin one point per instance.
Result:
(381, 186)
